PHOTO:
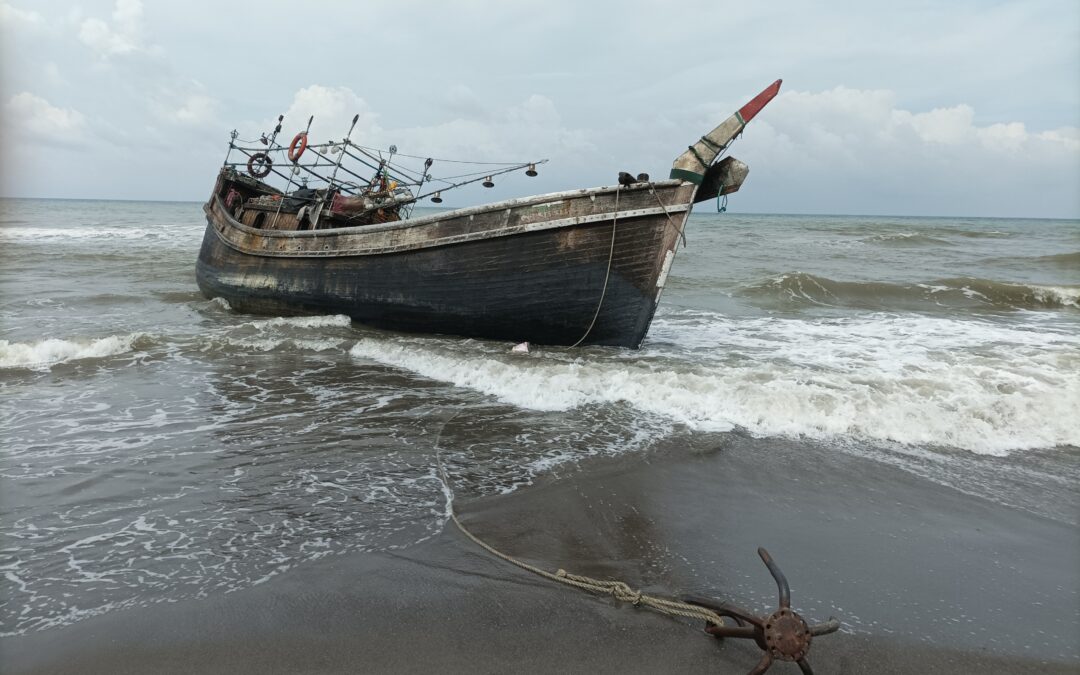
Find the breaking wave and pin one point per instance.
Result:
(1069, 260)
(906, 239)
(318, 321)
(92, 232)
(801, 288)
(963, 384)
(44, 354)
(983, 234)
(281, 333)
(1017, 296)
(275, 344)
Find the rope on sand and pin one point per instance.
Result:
(616, 589)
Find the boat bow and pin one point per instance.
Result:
(694, 164)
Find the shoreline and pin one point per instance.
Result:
(923, 577)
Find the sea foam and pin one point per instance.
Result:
(318, 321)
(45, 353)
(914, 380)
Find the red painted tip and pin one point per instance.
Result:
(755, 105)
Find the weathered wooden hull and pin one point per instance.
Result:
(578, 267)
(535, 269)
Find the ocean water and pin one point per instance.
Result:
(159, 446)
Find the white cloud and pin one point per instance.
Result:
(13, 15)
(844, 150)
(333, 109)
(144, 79)
(948, 126)
(462, 101)
(1068, 137)
(1011, 137)
(183, 103)
(196, 109)
(871, 118)
(124, 36)
(529, 130)
(32, 117)
(521, 131)
(52, 74)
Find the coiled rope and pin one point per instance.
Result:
(617, 589)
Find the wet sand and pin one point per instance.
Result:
(925, 578)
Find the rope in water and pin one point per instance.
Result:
(616, 589)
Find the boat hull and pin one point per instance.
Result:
(519, 279)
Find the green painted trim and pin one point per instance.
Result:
(683, 174)
(742, 122)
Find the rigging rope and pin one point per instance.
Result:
(671, 221)
(617, 589)
(437, 159)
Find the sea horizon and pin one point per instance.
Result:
(706, 208)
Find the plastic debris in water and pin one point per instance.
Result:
(523, 347)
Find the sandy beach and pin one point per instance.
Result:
(925, 579)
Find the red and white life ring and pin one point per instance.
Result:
(298, 146)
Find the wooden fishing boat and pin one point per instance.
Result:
(577, 267)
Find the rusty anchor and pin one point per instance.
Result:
(783, 635)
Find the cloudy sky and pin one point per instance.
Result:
(912, 108)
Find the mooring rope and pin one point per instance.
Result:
(607, 275)
(671, 221)
(617, 589)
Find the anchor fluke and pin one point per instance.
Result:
(782, 635)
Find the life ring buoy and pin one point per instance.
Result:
(300, 140)
(262, 161)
